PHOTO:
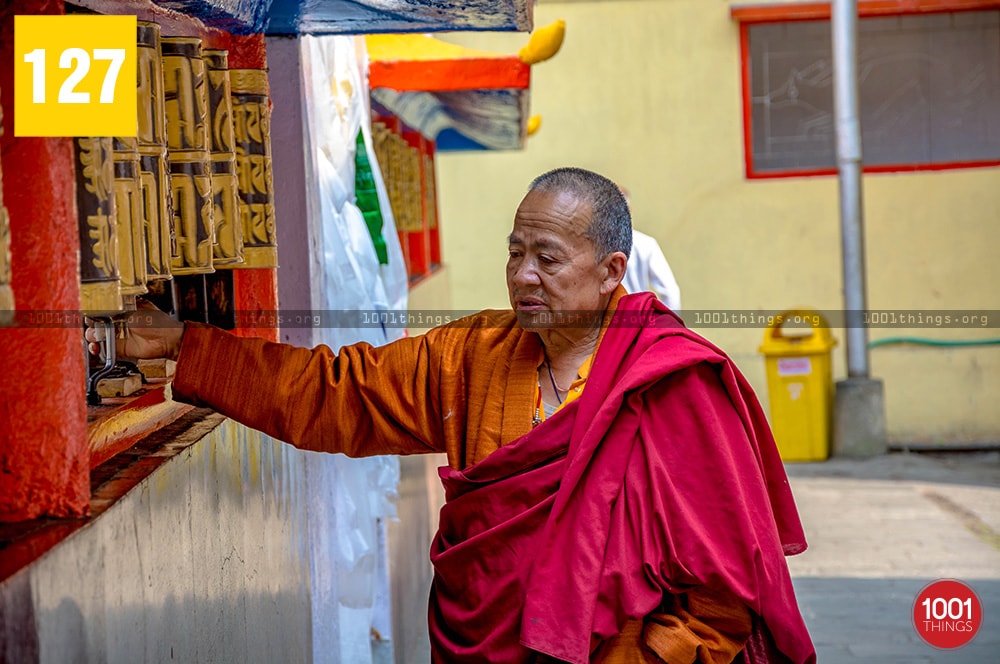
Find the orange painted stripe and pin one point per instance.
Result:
(821, 10)
(448, 75)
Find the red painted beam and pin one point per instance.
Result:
(43, 415)
(821, 10)
(450, 75)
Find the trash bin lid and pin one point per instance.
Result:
(817, 340)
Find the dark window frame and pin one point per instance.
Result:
(750, 15)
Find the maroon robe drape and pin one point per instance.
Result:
(662, 477)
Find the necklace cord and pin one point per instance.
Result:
(554, 386)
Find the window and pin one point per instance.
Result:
(929, 87)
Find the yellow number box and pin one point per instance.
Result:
(74, 76)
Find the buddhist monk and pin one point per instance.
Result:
(613, 491)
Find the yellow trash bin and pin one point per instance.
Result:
(800, 384)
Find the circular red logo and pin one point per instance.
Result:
(947, 613)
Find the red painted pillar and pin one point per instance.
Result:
(254, 289)
(43, 419)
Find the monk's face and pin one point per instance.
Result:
(552, 266)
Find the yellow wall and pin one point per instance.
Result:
(649, 94)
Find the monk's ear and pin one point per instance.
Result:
(614, 265)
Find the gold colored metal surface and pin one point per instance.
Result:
(6, 292)
(152, 116)
(128, 211)
(191, 192)
(154, 174)
(186, 98)
(186, 93)
(100, 297)
(430, 192)
(411, 186)
(157, 211)
(252, 134)
(228, 247)
(400, 164)
(98, 225)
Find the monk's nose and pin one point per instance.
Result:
(526, 274)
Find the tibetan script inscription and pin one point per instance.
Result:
(100, 289)
(251, 130)
(228, 247)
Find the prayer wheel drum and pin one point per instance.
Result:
(100, 288)
(154, 174)
(186, 103)
(252, 134)
(131, 225)
(228, 247)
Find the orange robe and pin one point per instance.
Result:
(464, 389)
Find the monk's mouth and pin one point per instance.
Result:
(530, 305)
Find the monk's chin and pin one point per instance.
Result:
(534, 320)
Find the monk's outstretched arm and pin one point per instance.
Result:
(361, 402)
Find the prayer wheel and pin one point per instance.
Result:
(252, 134)
(228, 247)
(6, 292)
(158, 211)
(430, 192)
(186, 104)
(191, 194)
(131, 227)
(412, 182)
(154, 173)
(100, 289)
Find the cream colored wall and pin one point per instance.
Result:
(429, 300)
(649, 94)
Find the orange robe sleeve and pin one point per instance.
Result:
(361, 402)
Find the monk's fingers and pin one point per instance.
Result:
(94, 334)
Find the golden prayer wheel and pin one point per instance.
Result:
(191, 194)
(430, 192)
(6, 292)
(186, 95)
(152, 115)
(128, 211)
(154, 173)
(157, 211)
(407, 173)
(252, 135)
(100, 290)
(413, 184)
(228, 247)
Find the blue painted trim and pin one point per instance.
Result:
(240, 17)
(449, 140)
(333, 17)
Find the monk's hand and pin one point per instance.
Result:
(148, 334)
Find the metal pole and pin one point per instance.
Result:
(848, 123)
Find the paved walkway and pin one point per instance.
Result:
(879, 531)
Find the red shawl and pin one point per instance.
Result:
(661, 477)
